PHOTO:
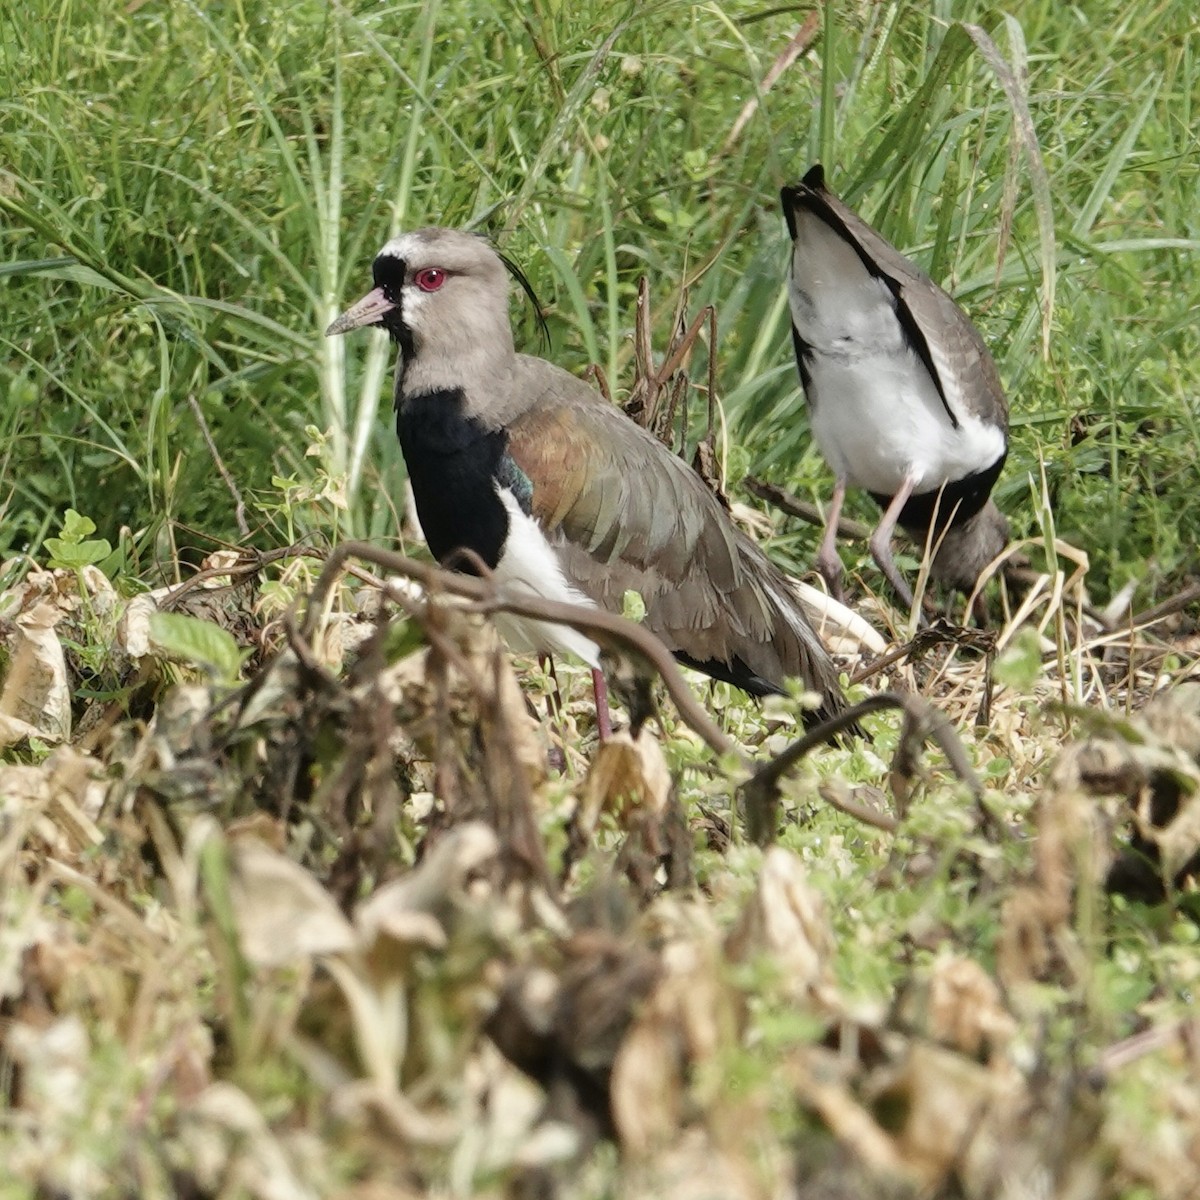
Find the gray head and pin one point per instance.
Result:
(967, 548)
(443, 296)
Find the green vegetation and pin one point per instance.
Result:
(189, 192)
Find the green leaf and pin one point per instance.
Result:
(633, 606)
(1021, 662)
(198, 642)
(76, 527)
(72, 555)
(72, 550)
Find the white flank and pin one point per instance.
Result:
(530, 567)
(878, 416)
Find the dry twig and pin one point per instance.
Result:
(760, 793)
(791, 504)
(801, 40)
(609, 631)
(239, 511)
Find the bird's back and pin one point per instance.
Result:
(625, 514)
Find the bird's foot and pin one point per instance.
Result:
(830, 566)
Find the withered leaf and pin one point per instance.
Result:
(283, 913)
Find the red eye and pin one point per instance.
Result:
(430, 279)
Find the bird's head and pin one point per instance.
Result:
(441, 294)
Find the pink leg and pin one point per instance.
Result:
(828, 561)
(603, 716)
(881, 542)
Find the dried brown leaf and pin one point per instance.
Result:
(133, 629)
(647, 1088)
(1073, 849)
(1167, 812)
(821, 1084)
(664, 1067)
(77, 792)
(403, 1120)
(417, 908)
(507, 1108)
(965, 1009)
(283, 913)
(36, 692)
(53, 1063)
(959, 1117)
(230, 1147)
(57, 800)
(13, 730)
(626, 777)
(1024, 950)
(785, 920)
(697, 1166)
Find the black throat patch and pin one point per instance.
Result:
(455, 463)
(388, 273)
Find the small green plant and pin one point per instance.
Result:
(312, 500)
(200, 643)
(75, 548)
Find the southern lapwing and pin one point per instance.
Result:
(903, 396)
(558, 492)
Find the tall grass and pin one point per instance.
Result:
(191, 191)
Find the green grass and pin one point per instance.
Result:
(191, 191)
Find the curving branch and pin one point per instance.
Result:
(760, 793)
(609, 631)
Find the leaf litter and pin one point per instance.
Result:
(323, 918)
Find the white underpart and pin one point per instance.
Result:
(530, 567)
(785, 605)
(877, 415)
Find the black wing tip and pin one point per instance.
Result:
(812, 181)
(787, 199)
(736, 672)
(808, 189)
(742, 676)
(815, 177)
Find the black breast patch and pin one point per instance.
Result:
(388, 273)
(957, 502)
(454, 463)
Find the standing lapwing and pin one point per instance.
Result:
(558, 492)
(903, 396)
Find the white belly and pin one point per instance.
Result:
(876, 412)
(530, 567)
(879, 419)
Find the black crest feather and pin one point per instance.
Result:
(515, 271)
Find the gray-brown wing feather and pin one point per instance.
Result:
(959, 358)
(626, 514)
